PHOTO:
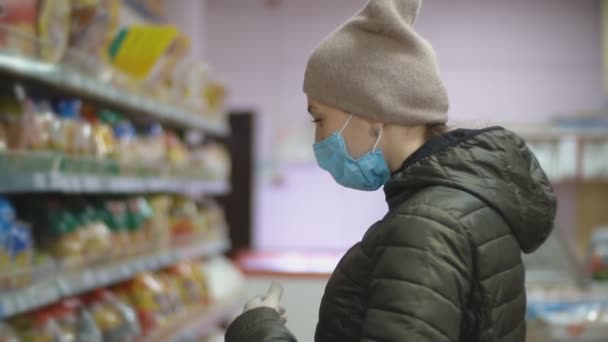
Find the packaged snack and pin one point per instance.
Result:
(190, 282)
(152, 149)
(95, 234)
(66, 243)
(18, 27)
(124, 132)
(151, 300)
(39, 326)
(139, 222)
(184, 219)
(64, 314)
(30, 126)
(135, 50)
(86, 327)
(21, 252)
(54, 29)
(160, 223)
(50, 127)
(177, 153)
(115, 216)
(78, 133)
(115, 319)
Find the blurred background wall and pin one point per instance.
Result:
(508, 62)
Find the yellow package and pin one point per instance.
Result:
(137, 49)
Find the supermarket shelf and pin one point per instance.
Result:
(78, 84)
(199, 321)
(83, 183)
(71, 284)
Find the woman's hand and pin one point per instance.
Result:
(271, 300)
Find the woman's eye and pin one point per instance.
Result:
(316, 120)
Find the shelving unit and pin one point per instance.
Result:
(38, 173)
(61, 78)
(67, 284)
(90, 184)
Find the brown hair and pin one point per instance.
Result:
(435, 130)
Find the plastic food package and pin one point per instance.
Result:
(177, 152)
(124, 133)
(67, 245)
(152, 150)
(151, 300)
(86, 327)
(115, 320)
(95, 234)
(54, 29)
(18, 27)
(190, 281)
(160, 223)
(39, 326)
(77, 133)
(115, 216)
(135, 50)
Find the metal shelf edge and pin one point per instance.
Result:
(72, 81)
(47, 292)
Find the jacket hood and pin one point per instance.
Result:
(494, 165)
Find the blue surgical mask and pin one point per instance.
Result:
(367, 173)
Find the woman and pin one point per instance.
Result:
(445, 263)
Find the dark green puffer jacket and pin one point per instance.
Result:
(445, 264)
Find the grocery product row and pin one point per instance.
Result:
(152, 306)
(52, 247)
(77, 232)
(84, 47)
(40, 135)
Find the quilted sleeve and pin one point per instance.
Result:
(420, 281)
(259, 325)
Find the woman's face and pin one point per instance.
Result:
(359, 134)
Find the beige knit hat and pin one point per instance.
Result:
(376, 66)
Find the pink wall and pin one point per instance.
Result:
(506, 61)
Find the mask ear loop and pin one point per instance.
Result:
(346, 124)
(378, 140)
